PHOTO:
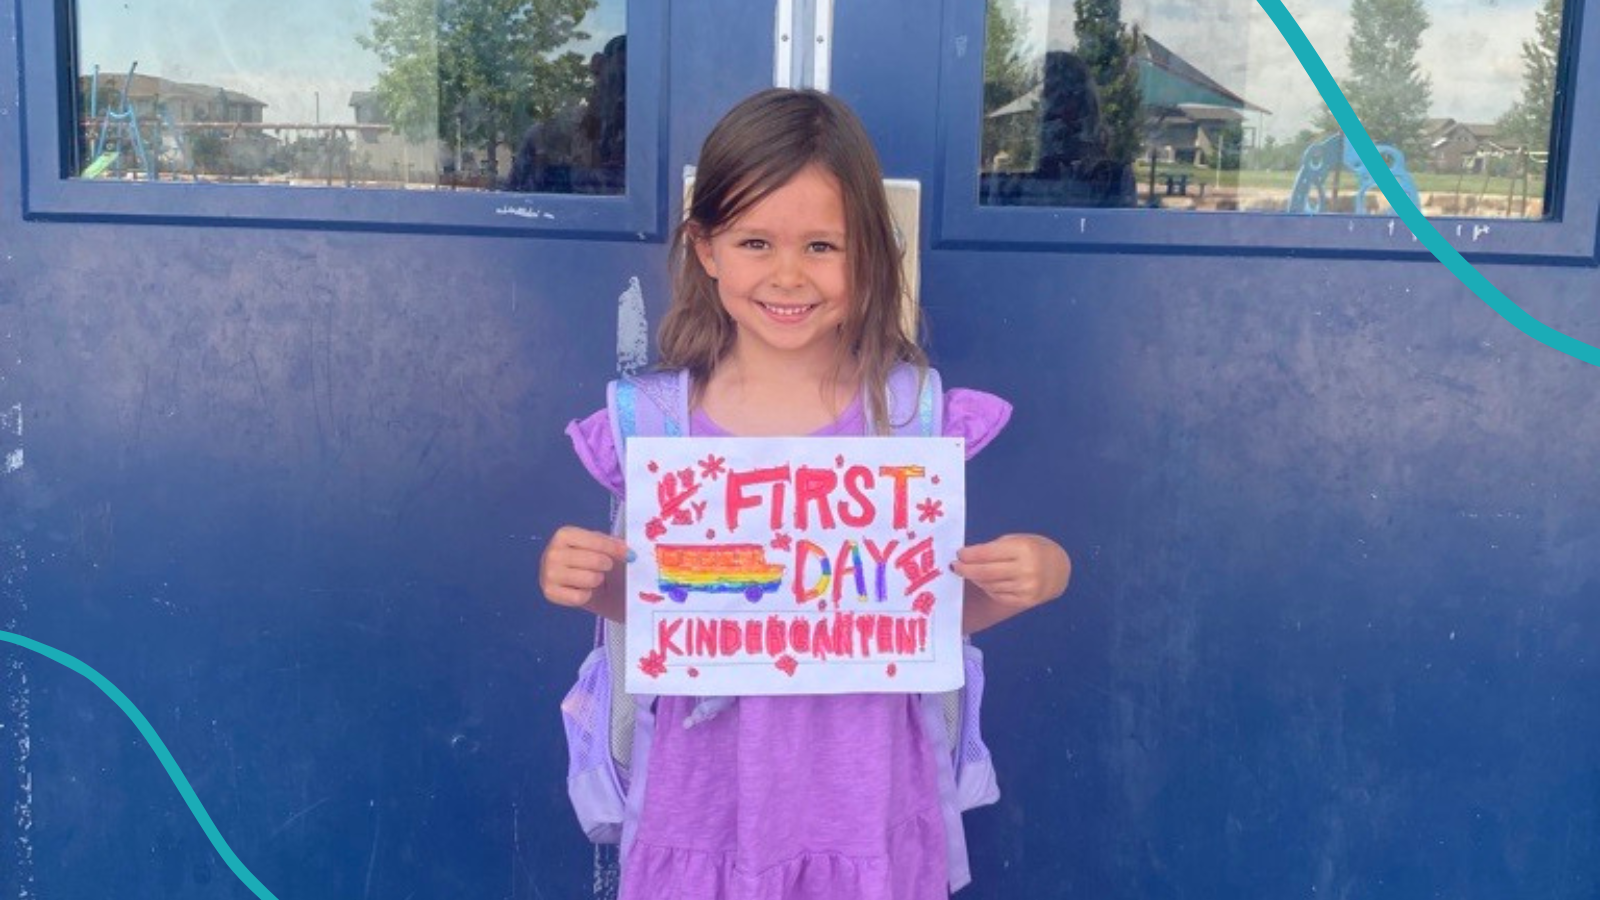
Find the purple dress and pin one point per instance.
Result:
(833, 797)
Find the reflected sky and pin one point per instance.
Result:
(1472, 49)
(300, 57)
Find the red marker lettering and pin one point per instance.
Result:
(900, 475)
(666, 637)
(738, 500)
(857, 481)
(811, 488)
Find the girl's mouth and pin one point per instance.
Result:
(787, 313)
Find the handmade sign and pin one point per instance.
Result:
(794, 565)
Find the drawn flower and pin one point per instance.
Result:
(930, 510)
(787, 664)
(713, 466)
(924, 602)
(654, 529)
(839, 460)
(891, 670)
(781, 541)
(653, 664)
(693, 672)
(652, 467)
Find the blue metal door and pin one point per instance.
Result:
(279, 465)
(1333, 518)
(281, 468)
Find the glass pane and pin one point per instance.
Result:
(1183, 105)
(511, 95)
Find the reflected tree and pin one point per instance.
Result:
(1230, 147)
(1108, 47)
(477, 73)
(1528, 121)
(1386, 87)
(1007, 78)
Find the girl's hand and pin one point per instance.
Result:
(578, 564)
(1011, 574)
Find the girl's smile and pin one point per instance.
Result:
(786, 314)
(781, 269)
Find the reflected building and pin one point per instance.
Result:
(1187, 118)
(154, 98)
(1188, 114)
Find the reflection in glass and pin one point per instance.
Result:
(1163, 103)
(510, 95)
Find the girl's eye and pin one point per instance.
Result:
(822, 247)
(753, 244)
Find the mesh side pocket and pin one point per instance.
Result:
(621, 709)
(592, 782)
(975, 778)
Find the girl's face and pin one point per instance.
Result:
(781, 268)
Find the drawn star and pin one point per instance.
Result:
(654, 529)
(713, 466)
(781, 541)
(930, 510)
(788, 664)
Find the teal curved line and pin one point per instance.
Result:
(154, 740)
(1408, 211)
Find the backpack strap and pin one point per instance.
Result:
(651, 405)
(916, 402)
(655, 404)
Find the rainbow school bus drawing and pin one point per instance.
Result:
(716, 569)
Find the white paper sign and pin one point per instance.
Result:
(794, 565)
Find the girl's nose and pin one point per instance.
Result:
(787, 270)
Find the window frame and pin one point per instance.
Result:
(47, 31)
(1567, 237)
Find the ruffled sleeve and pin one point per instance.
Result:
(974, 415)
(597, 450)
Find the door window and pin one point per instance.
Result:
(1203, 107)
(509, 95)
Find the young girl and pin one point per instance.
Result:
(786, 314)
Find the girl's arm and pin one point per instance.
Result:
(1011, 574)
(584, 569)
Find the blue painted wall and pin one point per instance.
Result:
(1337, 528)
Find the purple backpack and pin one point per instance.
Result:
(604, 724)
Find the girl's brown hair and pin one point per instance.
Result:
(757, 148)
